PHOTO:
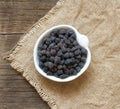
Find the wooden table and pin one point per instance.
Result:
(16, 17)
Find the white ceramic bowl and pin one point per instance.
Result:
(82, 40)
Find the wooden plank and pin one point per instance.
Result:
(20, 106)
(15, 26)
(7, 42)
(18, 89)
(45, 1)
(21, 15)
(29, 5)
(11, 71)
(17, 16)
(14, 84)
(14, 14)
(10, 77)
(19, 94)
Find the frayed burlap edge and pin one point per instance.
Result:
(16, 65)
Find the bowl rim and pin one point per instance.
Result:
(53, 78)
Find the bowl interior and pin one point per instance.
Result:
(36, 62)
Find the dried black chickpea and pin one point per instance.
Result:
(60, 55)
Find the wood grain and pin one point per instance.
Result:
(16, 17)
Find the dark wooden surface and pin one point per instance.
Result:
(16, 17)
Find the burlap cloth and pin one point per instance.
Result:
(99, 86)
